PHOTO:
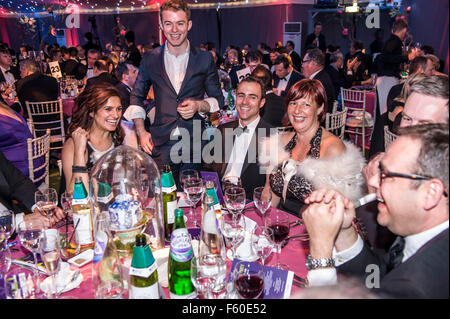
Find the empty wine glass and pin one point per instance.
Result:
(249, 279)
(7, 226)
(185, 175)
(235, 199)
(46, 201)
(278, 222)
(233, 229)
(193, 187)
(50, 250)
(262, 239)
(230, 181)
(262, 197)
(30, 233)
(5, 261)
(206, 273)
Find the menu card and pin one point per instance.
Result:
(277, 282)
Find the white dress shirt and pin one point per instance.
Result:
(9, 77)
(283, 83)
(175, 67)
(240, 148)
(314, 74)
(328, 276)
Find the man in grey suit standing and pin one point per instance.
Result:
(180, 75)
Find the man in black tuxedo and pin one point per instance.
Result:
(413, 203)
(133, 54)
(274, 108)
(126, 73)
(8, 73)
(296, 59)
(103, 72)
(181, 75)
(285, 75)
(316, 39)
(238, 140)
(72, 67)
(17, 194)
(337, 74)
(35, 86)
(314, 68)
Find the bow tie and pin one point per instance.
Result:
(283, 79)
(8, 71)
(240, 130)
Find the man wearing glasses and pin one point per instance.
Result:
(412, 190)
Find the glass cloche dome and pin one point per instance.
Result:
(126, 186)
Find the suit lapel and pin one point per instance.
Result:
(226, 136)
(163, 70)
(190, 68)
(253, 146)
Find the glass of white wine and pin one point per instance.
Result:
(46, 200)
(50, 250)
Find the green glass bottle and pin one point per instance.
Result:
(179, 266)
(230, 99)
(143, 271)
(169, 195)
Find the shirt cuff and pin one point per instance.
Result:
(134, 112)
(348, 254)
(322, 277)
(213, 104)
(19, 219)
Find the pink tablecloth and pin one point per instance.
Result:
(293, 254)
(68, 106)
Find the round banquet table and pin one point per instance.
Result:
(293, 255)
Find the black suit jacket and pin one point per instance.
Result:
(324, 78)
(103, 77)
(201, 78)
(250, 174)
(133, 55)
(423, 275)
(310, 38)
(339, 79)
(124, 91)
(295, 77)
(14, 71)
(15, 185)
(296, 60)
(36, 87)
(273, 110)
(74, 68)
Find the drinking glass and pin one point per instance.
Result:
(233, 229)
(46, 201)
(207, 272)
(50, 250)
(278, 222)
(5, 261)
(262, 239)
(7, 226)
(249, 279)
(235, 199)
(188, 174)
(230, 181)
(262, 197)
(193, 187)
(30, 233)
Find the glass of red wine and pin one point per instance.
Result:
(249, 279)
(278, 222)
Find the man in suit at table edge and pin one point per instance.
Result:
(241, 158)
(413, 203)
(181, 75)
(285, 75)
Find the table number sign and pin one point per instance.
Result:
(55, 69)
(242, 74)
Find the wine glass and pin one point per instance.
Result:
(230, 181)
(278, 222)
(5, 261)
(7, 226)
(262, 238)
(46, 201)
(262, 197)
(50, 250)
(193, 187)
(249, 279)
(185, 175)
(235, 199)
(206, 273)
(30, 233)
(233, 229)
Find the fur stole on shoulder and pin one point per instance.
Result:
(341, 173)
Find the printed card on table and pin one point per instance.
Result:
(277, 282)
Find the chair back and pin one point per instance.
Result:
(39, 148)
(335, 123)
(389, 137)
(48, 115)
(31, 127)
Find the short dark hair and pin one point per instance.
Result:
(317, 56)
(73, 52)
(290, 43)
(103, 63)
(253, 79)
(358, 45)
(285, 59)
(419, 61)
(129, 36)
(317, 23)
(427, 49)
(253, 56)
(121, 69)
(399, 25)
(262, 73)
(433, 160)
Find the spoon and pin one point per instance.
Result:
(75, 276)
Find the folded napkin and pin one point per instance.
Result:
(63, 277)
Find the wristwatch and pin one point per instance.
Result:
(312, 263)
